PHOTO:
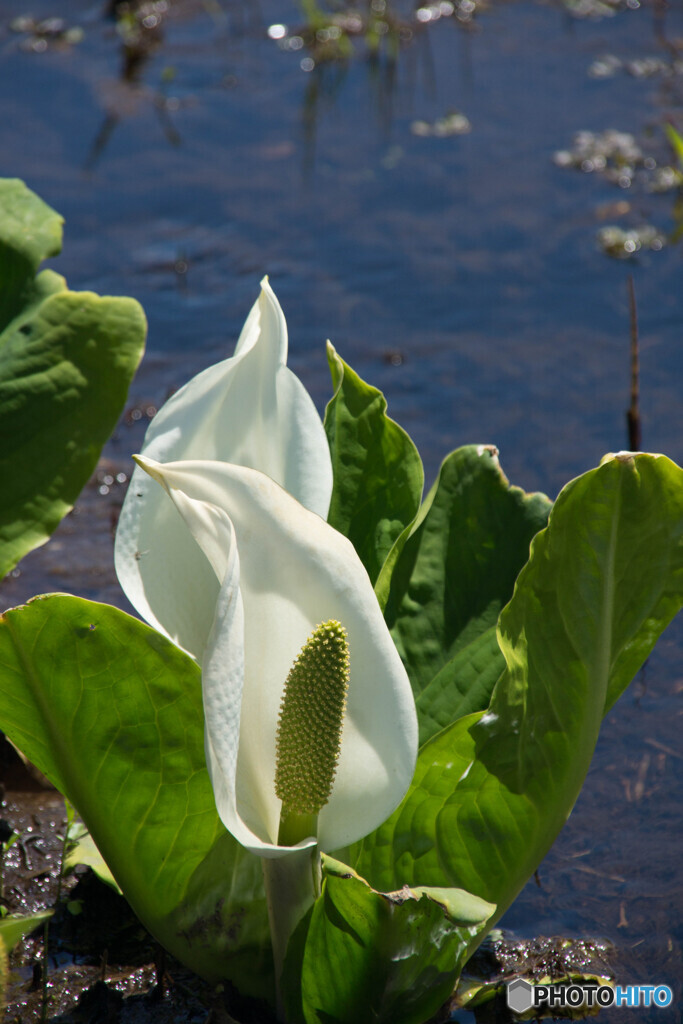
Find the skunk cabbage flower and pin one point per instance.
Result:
(250, 410)
(289, 586)
(311, 732)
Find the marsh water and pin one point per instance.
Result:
(432, 212)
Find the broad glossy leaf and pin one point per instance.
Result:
(66, 361)
(492, 791)
(112, 713)
(454, 574)
(30, 232)
(378, 475)
(391, 957)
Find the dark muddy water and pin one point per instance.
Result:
(461, 273)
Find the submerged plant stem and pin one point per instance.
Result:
(633, 411)
(46, 954)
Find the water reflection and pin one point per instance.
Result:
(334, 34)
(384, 36)
(139, 27)
(325, 43)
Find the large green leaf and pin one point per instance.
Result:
(112, 713)
(492, 791)
(392, 957)
(378, 475)
(66, 361)
(30, 232)
(455, 572)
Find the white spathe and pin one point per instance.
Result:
(281, 570)
(250, 410)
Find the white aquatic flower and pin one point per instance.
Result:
(249, 410)
(281, 572)
(239, 568)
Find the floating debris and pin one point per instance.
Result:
(664, 179)
(596, 9)
(328, 35)
(622, 243)
(612, 152)
(454, 123)
(42, 33)
(608, 65)
(618, 158)
(463, 10)
(139, 24)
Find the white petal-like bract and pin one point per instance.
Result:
(249, 410)
(280, 570)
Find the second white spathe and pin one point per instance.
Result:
(281, 570)
(249, 410)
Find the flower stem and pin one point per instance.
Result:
(294, 828)
(292, 885)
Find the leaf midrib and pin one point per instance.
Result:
(605, 629)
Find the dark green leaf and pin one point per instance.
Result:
(386, 957)
(378, 475)
(455, 572)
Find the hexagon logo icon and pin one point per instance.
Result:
(520, 995)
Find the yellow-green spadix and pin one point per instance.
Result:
(309, 729)
(282, 573)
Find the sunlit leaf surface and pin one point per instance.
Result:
(492, 791)
(378, 475)
(386, 957)
(112, 713)
(66, 361)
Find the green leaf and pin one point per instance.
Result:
(12, 929)
(378, 475)
(492, 791)
(30, 232)
(82, 850)
(454, 574)
(386, 957)
(112, 713)
(66, 361)
(676, 143)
